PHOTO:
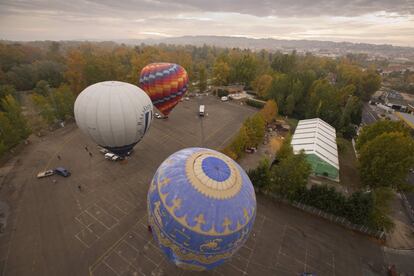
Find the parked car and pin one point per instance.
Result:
(113, 157)
(224, 99)
(157, 115)
(187, 98)
(45, 174)
(250, 150)
(62, 172)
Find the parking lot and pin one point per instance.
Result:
(57, 228)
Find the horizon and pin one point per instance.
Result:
(160, 40)
(380, 22)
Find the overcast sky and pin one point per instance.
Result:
(371, 21)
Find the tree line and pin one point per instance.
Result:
(303, 86)
(287, 177)
(252, 131)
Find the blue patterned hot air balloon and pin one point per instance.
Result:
(201, 207)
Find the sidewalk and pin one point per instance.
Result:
(402, 237)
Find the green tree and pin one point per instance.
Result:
(57, 105)
(279, 89)
(386, 159)
(221, 73)
(371, 82)
(290, 175)
(7, 90)
(42, 88)
(9, 135)
(284, 63)
(45, 107)
(380, 218)
(324, 102)
(370, 132)
(202, 79)
(260, 176)
(244, 69)
(13, 113)
(50, 71)
(286, 149)
(359, 208)
(238, 144)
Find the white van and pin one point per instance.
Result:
(202, 110)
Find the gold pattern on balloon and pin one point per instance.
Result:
(211, 245)
(207, 186)
(186, 255)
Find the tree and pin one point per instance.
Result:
(9, 135)
(371, 82)
(7, 90)
(380, 218)
(221, 73)
(269, 111)
(13, 113)
(202, 79)
(324, 102)
(42, 88)
(23, 77)
(286, 149)
(290, 175)
(284, 63)
(359, 208)
(370, 132)
(386, 159)
(260, 176)
(279, 88)
(74, 74)
(50, 71)
(243, 69)
(255, 129)
(57, 105)
(262, 85)
(238, 145)
(45, 108)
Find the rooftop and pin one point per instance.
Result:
(315, 136)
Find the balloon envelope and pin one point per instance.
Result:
(165, 84)
(201, 208)
(116, 115)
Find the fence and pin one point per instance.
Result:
(339, 220)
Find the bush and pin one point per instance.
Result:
(255, 103)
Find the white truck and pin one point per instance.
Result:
(201, 110)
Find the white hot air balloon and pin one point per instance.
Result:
(116, 115)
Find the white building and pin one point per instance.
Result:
(318, 141)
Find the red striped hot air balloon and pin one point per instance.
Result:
(165, 84)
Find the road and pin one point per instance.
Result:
(368, 115)
(56, 229)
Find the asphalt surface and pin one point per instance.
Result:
(55, 228)
(369, 116)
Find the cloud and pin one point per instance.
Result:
(376, 21)
(280, 8)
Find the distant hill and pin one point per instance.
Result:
(314, 46)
